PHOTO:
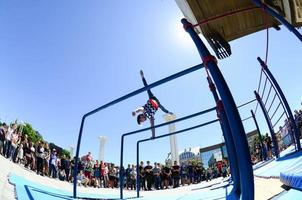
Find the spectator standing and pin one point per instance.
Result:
(175, 174)
(3, 130)
(128, 177)
(13, 146)
(183, 174)
(46, 159)
(269, 146)
(96, 172)
(40, 156)
(156, 174)
(149, 175)
(166, 171)
(133, 177)
(53, 161)
(142, 176)
(106, 175)
(20, 155)
(190, 170)
(8, 140)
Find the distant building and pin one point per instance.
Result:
(218, 152)
(190, 154)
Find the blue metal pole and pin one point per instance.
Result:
(127, 96)
(269, 124)
(281, 19)
(284, 100)
(138, 180)
(156, 126)
(259, 134)
(228, 138)
(75, 171)
(244, 157)
(121, 166)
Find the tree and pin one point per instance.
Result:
(28, 130)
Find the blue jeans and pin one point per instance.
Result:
(53, 170)
(157, 182)
(7, 146)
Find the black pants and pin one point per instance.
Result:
(151, 96)
(39, 165)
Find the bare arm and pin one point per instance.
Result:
(138, 110)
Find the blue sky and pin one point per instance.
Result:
(62, 59)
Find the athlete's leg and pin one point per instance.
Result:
(150, 94)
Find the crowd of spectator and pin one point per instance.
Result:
(38, 157)
(285, 137)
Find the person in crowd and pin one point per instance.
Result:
(208, 174)
(175, 174)
(111, 175)
(106, 175)
(96, 172)
(133, 177)
(82, 180)
(157, 178)
(14, 145)
(102, 174)
(224, 170)
(3, 130)
(8, 139)
(269, 146)
(166, 171)
(142, 176)
(65, 166)
(53, 161)
(190, 173)
(20, 155)
(40, 156)
(46, 159)
(148, 175)
(128, 176)
(183, 174)
(88, 171)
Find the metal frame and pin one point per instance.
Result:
(127, 96)
(232, 114)
(158, 137)
(145, 129)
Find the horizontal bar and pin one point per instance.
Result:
(275, 111)
(278, 119)
(170, 122)
(246, 103)
(180, 131)
(152, 85)
(247, 118)
(269, 108)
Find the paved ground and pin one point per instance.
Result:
(264, 188)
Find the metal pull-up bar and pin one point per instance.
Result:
(127, 96)
(158, 137)
(148, 128)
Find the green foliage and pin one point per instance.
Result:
(66, 153)
(28, 130)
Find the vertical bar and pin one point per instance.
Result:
(138, 184)
(285, 103)
(244, 157)
(122, 167)
(228, 138)
(259, 134)
(75, 171)
(269, 124)
(281, 19)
